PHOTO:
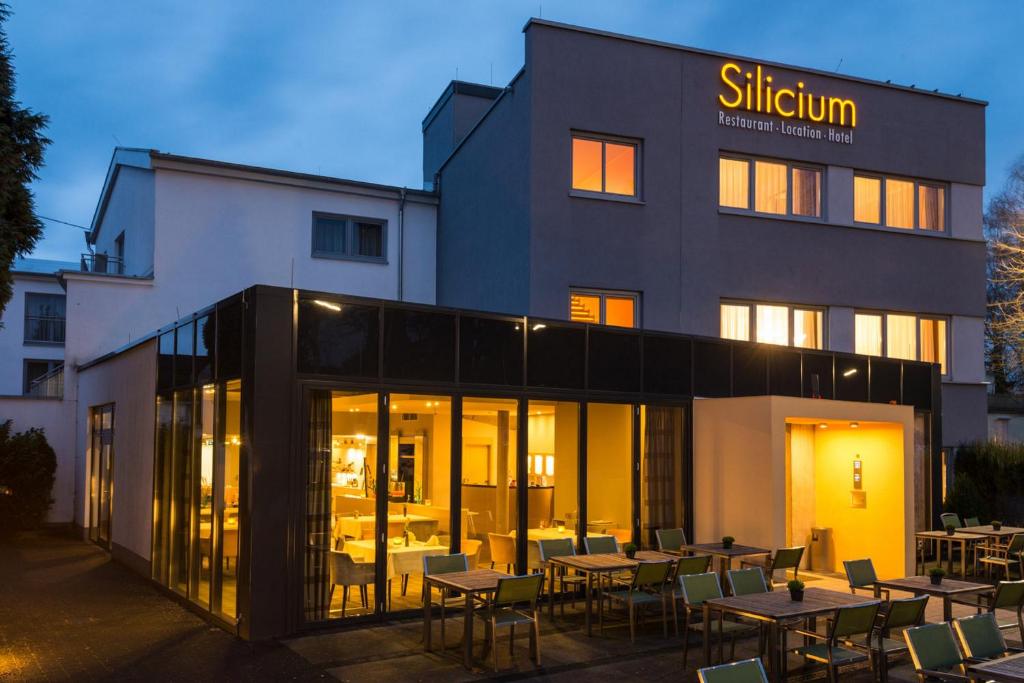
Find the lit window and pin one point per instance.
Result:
(901, 336)
(808, 328)
(604, 166)
(933, 341)
(931, 207)
(867, 334)
(733, 183)
(348, 238)
(772, 325)
(604, 308)
(770, 187)
(806, 192)
(899, 203)
(735, 322)
(867, 199)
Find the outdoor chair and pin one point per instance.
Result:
(670, 540)
(696, 588)
(934, 652)
(748, 582)
(561, 547)
(861, 576)
(972, 521)
(346, 572)
(1007, 557)
(783, 559)
(692, 564)
(951, 519)
(1008, 595)
(597, 545)
(980, 637)
(515, 602)
(743, 671)
(503, 550)
(648, 587)
(838, 648)
(900, 614)
(444, 564)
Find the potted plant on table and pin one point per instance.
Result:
(950, 530)
(996, 525)
(796, 590)
(727, 541)
(936, 574)
(630, 550)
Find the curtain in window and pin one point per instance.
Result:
(933, 342)
(735, 322)
(370, 239)
(932, 207)
(318, 508)
(867, 200)
(901, 337)
(899, 203)
(733, 183)
(806, 192)
(661, 463)
(867, 334)
(770, 187)
(807, 329)
(329, 236)
(773, 325)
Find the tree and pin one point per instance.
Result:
(27, 468)
(1004, 328)
(21, 155)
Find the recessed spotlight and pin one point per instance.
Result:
(823, 426)
(854, 425)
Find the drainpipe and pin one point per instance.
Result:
(401, 243)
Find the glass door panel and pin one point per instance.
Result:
(203, 538)
(180, 490)
(609, 470)
(552, 465)
(101, 473)
(228, 521)
(663, 486)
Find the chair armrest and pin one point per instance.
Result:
(809, 634)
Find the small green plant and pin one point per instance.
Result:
(795, 585)
(996, 524)
(937, 571)
(630, 549)
(728, 539)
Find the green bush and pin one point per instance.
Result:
(989, 482)
(27, 467)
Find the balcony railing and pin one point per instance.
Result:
(50, 385)
(102, 263)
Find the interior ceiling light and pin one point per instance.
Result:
(823, 426)
(539, 326)
(850, 373)
(854, 425)
(328, 305)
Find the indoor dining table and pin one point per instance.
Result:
(471, 584)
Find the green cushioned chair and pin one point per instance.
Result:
(900, 614)
(696, 588)
(548, 548)
(951, 519)
(598, 545)
(861, 576)
(743, 671)
(515, 602)
(648, 588)
(934, 652)
(980, 637)
(670, 540)
(839, 647)
(1009, 596)
(783, 559)
(444, 564)
(972, 521)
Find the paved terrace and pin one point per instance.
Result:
(68, 613)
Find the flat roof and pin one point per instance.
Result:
(41, 266)
(684, 48)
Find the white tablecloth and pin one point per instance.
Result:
(354, 527)
(402, 559)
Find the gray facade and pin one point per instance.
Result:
(513, 238)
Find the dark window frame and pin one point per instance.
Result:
(352, 243)
(50, 320)
(51, 365)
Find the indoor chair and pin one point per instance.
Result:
(471, 548)
(346, 572)
(503, 550)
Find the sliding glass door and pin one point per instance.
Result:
(101, 472)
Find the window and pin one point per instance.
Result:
(904, 336)
(604, 166)
(35, 370)
(908, 204)
(604, 308)
(346, 237)
(800, 326)
(771, 187)
(44, 318)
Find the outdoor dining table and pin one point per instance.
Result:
(597, 565)
(471, 584)
(1003, 670)
(922, 585)
(773, 608)
(725, 555)
(959, 537)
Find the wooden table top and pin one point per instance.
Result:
(610, 562)
(778, 604)
(473, 581)
(923, 584)
(1006, 669)
(958, 536)
(718, 549)
(987, 530)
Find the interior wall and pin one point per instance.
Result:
(566, 460)
(801, 476)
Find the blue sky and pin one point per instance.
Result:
(340, 88)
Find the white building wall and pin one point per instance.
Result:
(13, 348)
(130, 210)
(57, 420)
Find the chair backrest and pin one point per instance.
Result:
(554, 547)
(854, 620)
(1009, 594)
(747, 581)
(518, 589)
(471, 548)
(972, 521)
(694, 564)
(905, 612)
(744, 671)
(1016, 545)
(444, 564)
(652, 574)
(670, 539)
(980, 637)
(951, 519)
(860, 573)
(697, 588)
(788, 558)
(933, 647)
(596, 545)
(503, 548)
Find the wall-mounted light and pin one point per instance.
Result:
(328, 305)
(549, 465)
(854, 425)
(538, 464)
(850, 373)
